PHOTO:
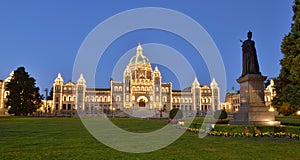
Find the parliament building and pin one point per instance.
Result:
(142, 87)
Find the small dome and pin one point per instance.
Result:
(139, 58)
(233, 91)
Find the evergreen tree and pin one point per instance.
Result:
(50, 96)
(24, 97)
(287, 84)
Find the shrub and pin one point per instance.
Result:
(175, 114)
(220, 114)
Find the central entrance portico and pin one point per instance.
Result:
(142, 100)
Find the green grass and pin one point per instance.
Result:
(290, 120)
(138, 125)
(66, 138)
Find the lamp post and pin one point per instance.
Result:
(46, 106)
(113, 110)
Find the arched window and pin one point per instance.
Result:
(134, 88)
(65, 98)
(120, 88)
(118, 99)
(142, 88)
(165, 99)
(116, 88)
(87, 99)
(69, 98)
(190, 100)
(105, 99)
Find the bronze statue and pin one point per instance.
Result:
(250, 62)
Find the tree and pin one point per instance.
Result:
(220, 114)
(24, 97)
(287, 84)
(50, 96)
(175, 113)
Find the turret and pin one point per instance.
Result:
(81, 80)
(196, 95)
(215, 96)
(59, 80)
(57, 92)
(196, 84)
(80, 93)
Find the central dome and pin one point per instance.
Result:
(139, 58)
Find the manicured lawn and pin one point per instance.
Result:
(290, 120)
(66, 138)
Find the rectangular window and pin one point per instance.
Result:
(69, 106)
(64, 106)
(56, 107)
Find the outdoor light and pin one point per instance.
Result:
(213, 126)
(298, 113)
(271, 109)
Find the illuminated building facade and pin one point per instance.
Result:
(142, 86)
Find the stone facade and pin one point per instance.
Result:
(142, 87)
(3, 94)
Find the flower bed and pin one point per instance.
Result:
(222, 121)
(249, 131)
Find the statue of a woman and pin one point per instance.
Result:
(250, 63)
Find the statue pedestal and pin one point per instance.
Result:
(253, 110)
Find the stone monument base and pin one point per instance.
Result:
(253, 110)
(257, 116)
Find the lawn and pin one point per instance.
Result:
(66, 138)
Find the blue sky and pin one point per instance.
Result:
(44, 36)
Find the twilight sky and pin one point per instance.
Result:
(45, 36)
